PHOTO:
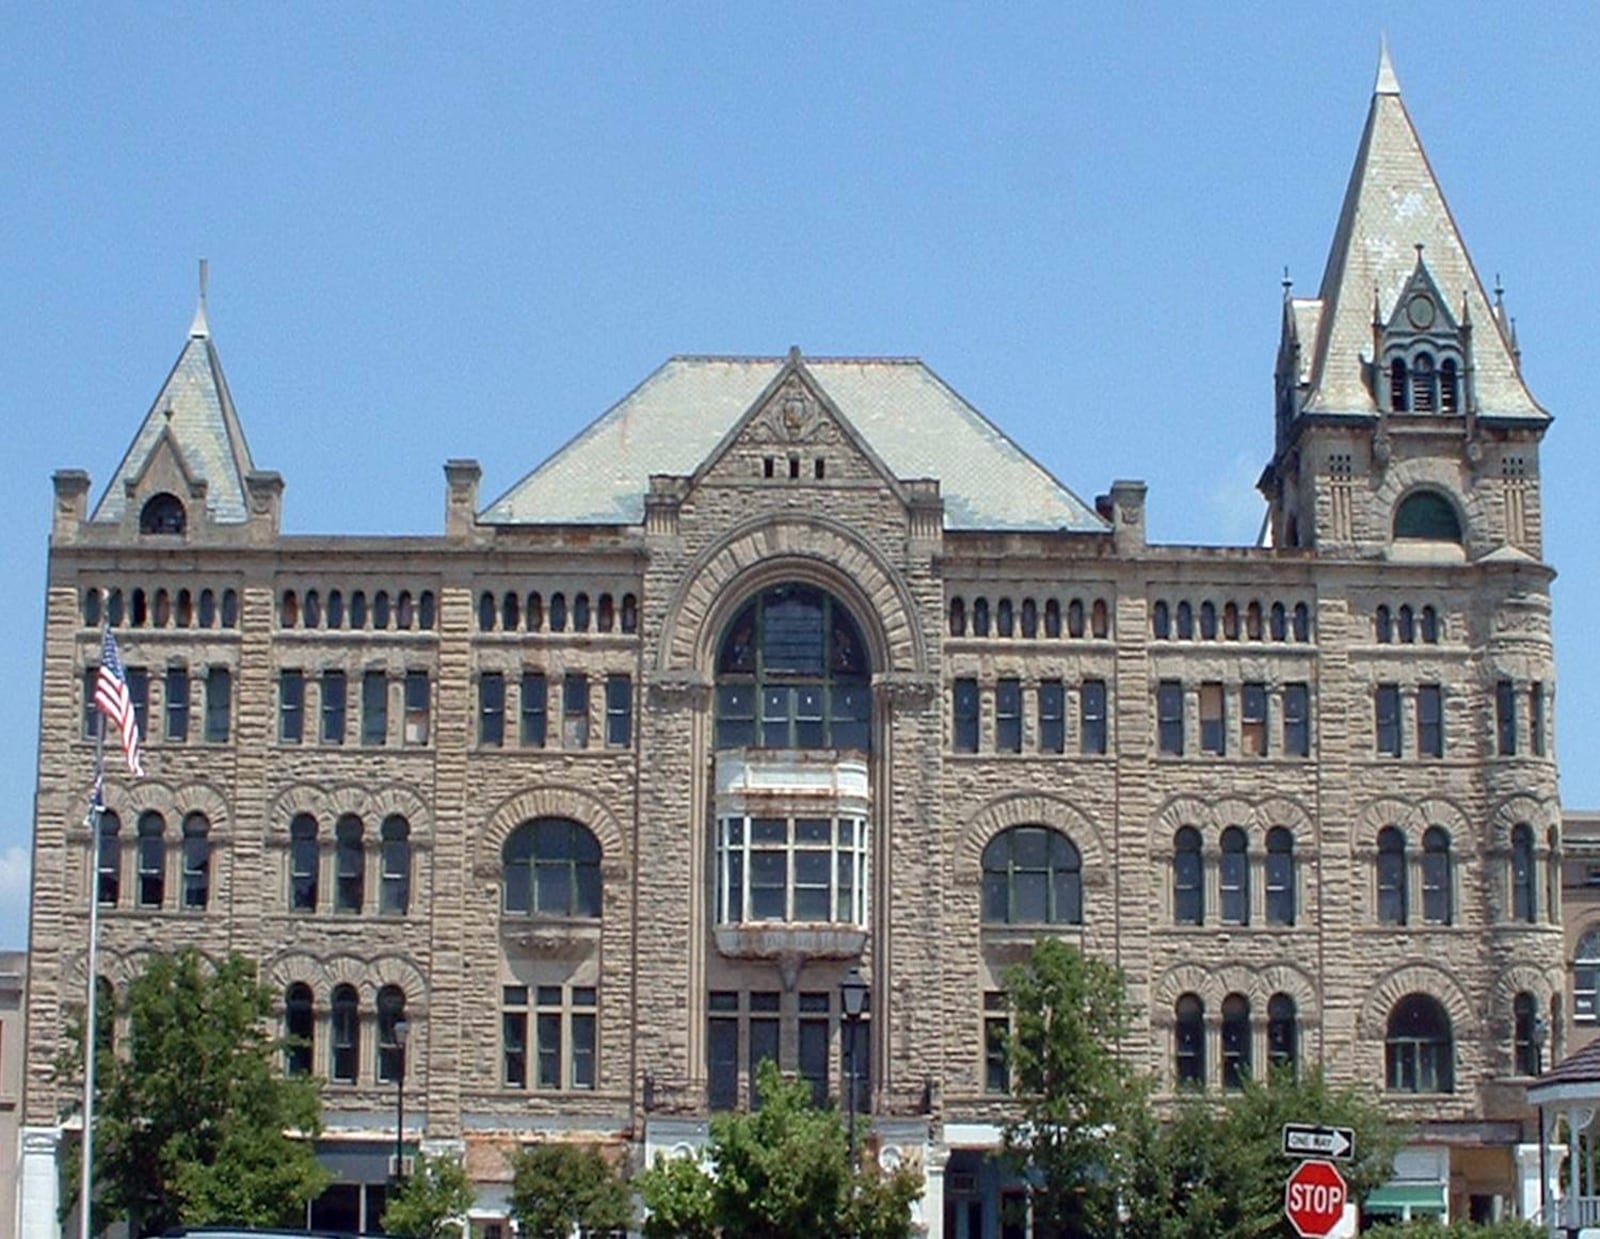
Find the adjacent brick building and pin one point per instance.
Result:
(791, 665)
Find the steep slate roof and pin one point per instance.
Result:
(1392, 204)
(915, 423)
(204, 427)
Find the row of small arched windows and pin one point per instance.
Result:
(344, 1033)
(150, 853)
(1422, 387)
(1406, 626)
(1185, 622)
(1238, 1039)
(307, 883)
(1025, 620)
(160, 608)
(512, 613)
(400, 610)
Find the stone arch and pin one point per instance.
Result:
(1516, 979)
(1412, 817)
(1405, 477)
(1538, 812)
(815, 550)
(202, 797)
(1030, 809)
(1287, 979)
(400, 971)
(289, 969)
(1212, 817)
(1177, 981)
(350, 970)
(1240, 979)
(551, 801)
(1414, 978)
(129, 800)
(294, 800)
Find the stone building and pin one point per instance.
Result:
(790, 665)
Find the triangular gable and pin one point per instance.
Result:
(166, 457)
(1401, 320)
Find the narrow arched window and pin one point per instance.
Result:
(312, 611)
(510, 612)
(344, 1029)
(184, 610)
(425, 610)
(534, 618)
(1399, 386)
(551, 867)
(1234, 877)
(114, 612)
(1525, 1048)
(358, 609)
(1406, 626)
(1189, 1041)
(1524, 905)
(1208, 621)
(1449, 388)
(208, 608)
(1430, 626)
(958, 617)
(605, 615)
(391, 1053)
(486, 611)
(1002, 618)
(1052, 619)
(152, 860)
(161, 612)
(980, 617)
(350, 864)
(196, 862)
(1384, 625)
(91, 608)
(1252, 621)
(395, 888)
(380, 610)
(1391, 876)
(1236, 1066)
(230, 609)
(1230, 621)
(289, 610)
(558, 612)
(1075, 618)
(335, 609)
(1277, 622)
(1302, 622)
(1099, 619)
(630, 613)
(162, 514)
(1030, 619)
(1280, 876)
(300, 1030)
(404, 611)
(303, 863)
(1283, 1036)
(1437, 879)
(1032, 875)
(108, 881)
(580, 613)
(1185, 621)
(1424, 388)
(1160, 621)
(1188, 878)
(1419, 1049)
(1427, 516)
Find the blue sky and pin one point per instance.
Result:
(441, 231)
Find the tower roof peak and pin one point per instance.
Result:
(200, 328)
(1387, 83)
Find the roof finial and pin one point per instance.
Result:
(199, 327)
(1288, 284)
(1387, 83)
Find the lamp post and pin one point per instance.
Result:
(852, 1001)
(1540, 1035)
(401, 1028)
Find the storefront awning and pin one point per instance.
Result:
(1407, 1199)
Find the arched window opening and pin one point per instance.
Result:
(1052, 619)
(1424, 387)
(114, 613)
(1399, 386)
(300, 1030)
(1391, 876)
(792, 673)
(630, 613)
(1302, 622)
(1234, 877)
(1208, 621)
(580, 613)
(108, 881)
(1283, 1039)
(1230, 621)
(139, 613)
(1099, 619)
(1552, 877)
(1160, 621)
(1277, 622)
(1427, 516)
(1525, 1050)
(350, 864)
(391, 1054)
(534, 618)
(1419, 1051)
(395, 888)
(1407, 626)
(1252, 621)
(345, 1036)
(1384, 625)
(1437, 901)
(335, 609)
(91, 608)
(551, 867)
(1430, 626)
(404, 611)
(1032, 875)
(230, 609)
(1236, 1066)
(1280, 876)
(1585, 978)
(208, 608)
(606, 614)
(958, 617)
(1185, 621)
(163, 514)
(161, 613)
(486, 610)
(1189, 1041)
(184, 614)
(510, 612)
(1075, 627)
(425, 610)
(152, 860)
(1449, 387)
(1188, 878)
(303, 863)
(558, 612)
(289, 610)
(980, 617)
(380, 610)
(196, 862)
(312, 609)
(1030, 619)
(1524, 884)
(1002, 618)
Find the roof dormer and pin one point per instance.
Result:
(1421, 353)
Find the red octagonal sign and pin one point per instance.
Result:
(1314, 1198)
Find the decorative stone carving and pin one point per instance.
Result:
(680, 690)
(794, 417)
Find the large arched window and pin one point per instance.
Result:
(303, 863)
(344, 1059)
(1236, 1068)
(552, 868)
(1283, 1035)
(1188, 878)
(1032, 875)
(1428, 516)
(1586, 978)
(350, 864)
(196, 862)
(152, 860)
(300, 1030)
(1419, 1051)
(391, 1014)
(1523, 874)
(1391, 876)
(395, 895)
(807, 869)
(162, 513)
(1280, 876)
(793, 673)
(1437, 904)
(1233, 877)
(1189, 1041)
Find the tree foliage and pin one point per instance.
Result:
(781, 1172)
(194, 1123)
(557, 1187)
(433, 1201)
(1082, 1110)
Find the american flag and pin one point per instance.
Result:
(112, 699)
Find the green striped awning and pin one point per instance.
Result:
(1410, 1198)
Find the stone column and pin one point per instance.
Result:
(38, 1184)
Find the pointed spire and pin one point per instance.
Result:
(1387, 83)
(200, 328)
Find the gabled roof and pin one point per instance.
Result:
(194, 407)
(906, 415)
(1393, 204)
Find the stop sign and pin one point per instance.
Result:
(1314, 1198)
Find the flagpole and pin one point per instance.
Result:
(91, 1041)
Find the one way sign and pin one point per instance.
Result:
(1311, 1140)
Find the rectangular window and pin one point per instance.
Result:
(964, 703)
(575, 711)
(1536, 719)
(1253, 719)
(374, 708)
(1430, 721)
(564, 1036)
(619, 711)
(722, 1051)
(1092, 718)
(91, 712)
(996, 1042)
(535, 703)
(1505, 713)
(219, 704)
(514, 1037)
(291, 706)
(1585, 982)
(418, 701)
(814, 1044)
(491, 709)
(1008, 716)
(1169, 717)
(177, 704)
(1213, 719)
(1052, 717)
(1297, 720)
(333, 692)
(763, 1038)
(139, 694)
(1387, 719)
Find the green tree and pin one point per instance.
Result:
(1217, 1170)
(678, 1200)
(1081, 1108)
(556, 1187)
(194, 1122)
(433, 1201)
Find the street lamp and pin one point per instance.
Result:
(852, 1001)
(401, 1028)
(1541, 1034)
